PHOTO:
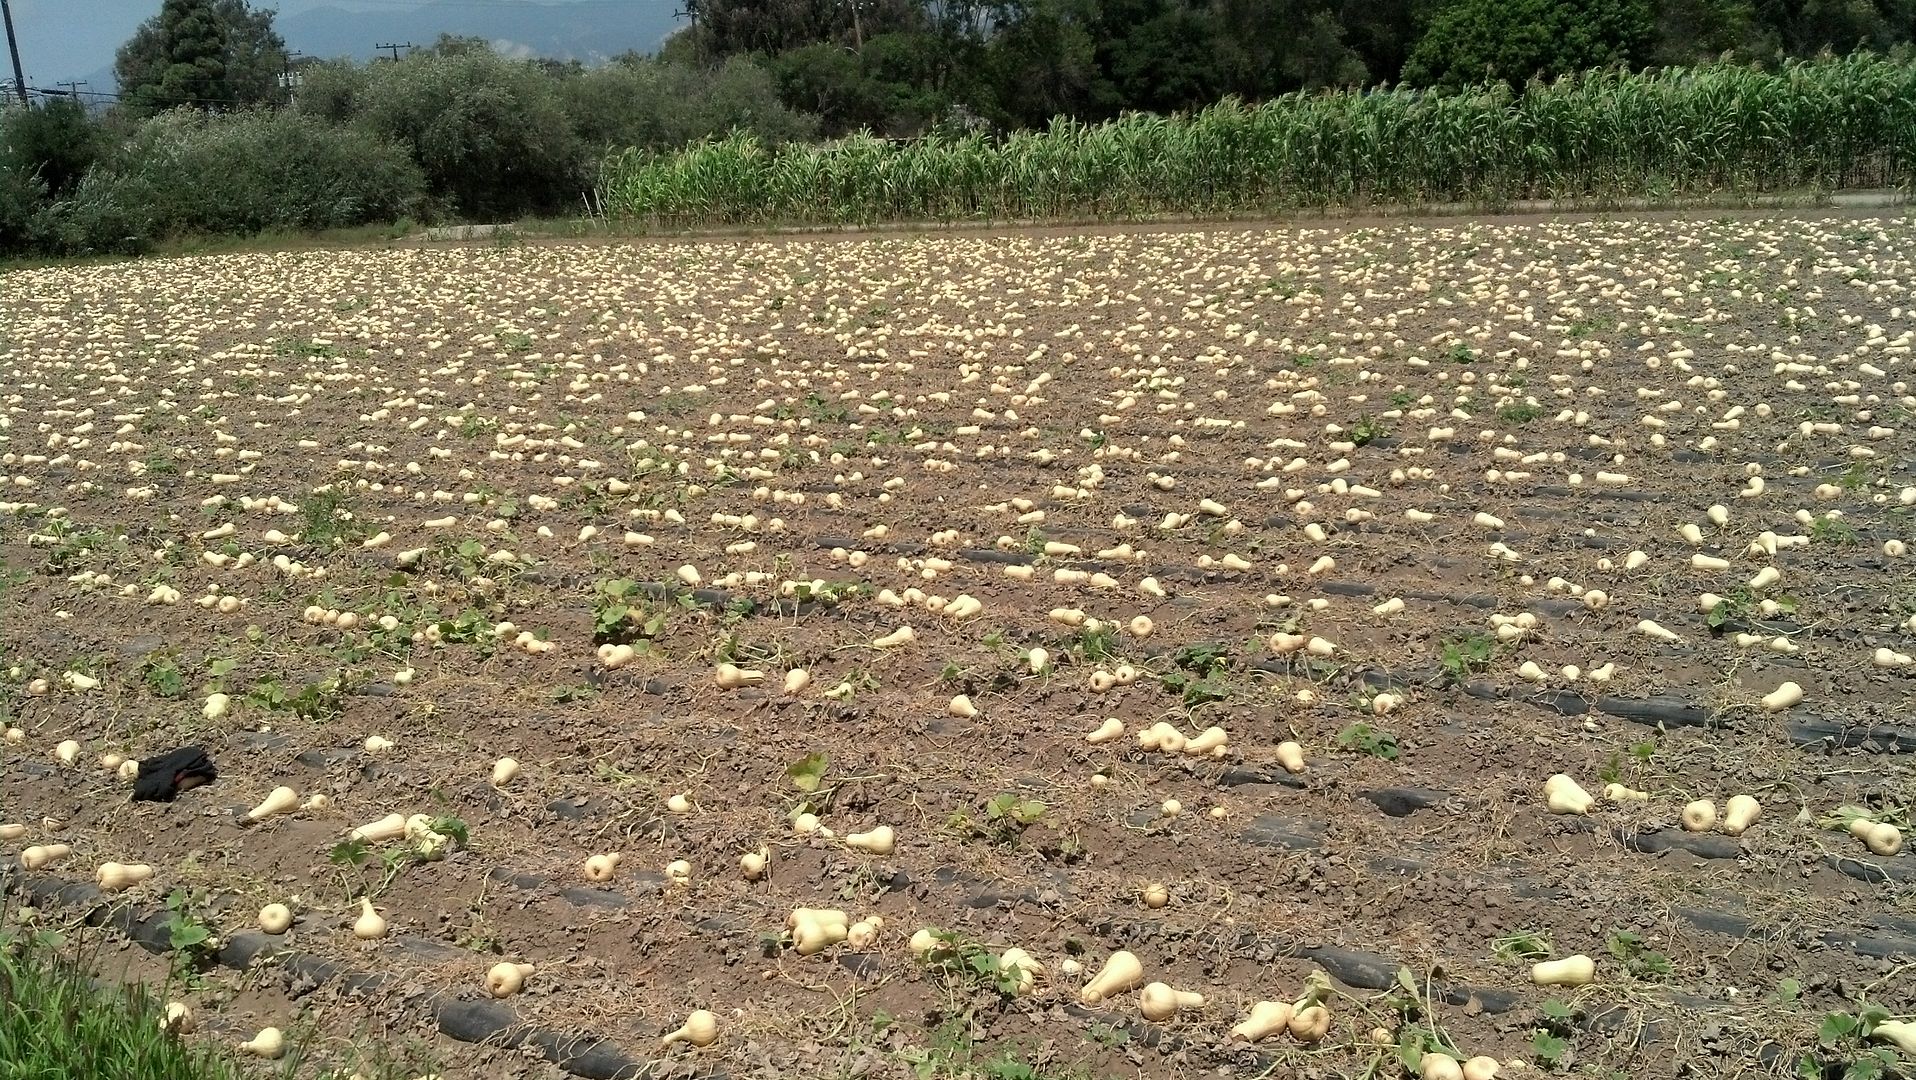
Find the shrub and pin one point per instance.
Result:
(1472, 41)
(58, 140)
(21, 197)
(236, 174)
(655, 105)
(489, 133)
(44, 151)
(331, 91)
(829, 81)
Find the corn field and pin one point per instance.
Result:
(1817, 125)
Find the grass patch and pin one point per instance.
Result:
(55, 1022)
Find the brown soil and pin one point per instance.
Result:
(893, 382)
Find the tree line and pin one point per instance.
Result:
(897, 66)
(208, 134)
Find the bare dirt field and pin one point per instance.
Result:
(1453, 508)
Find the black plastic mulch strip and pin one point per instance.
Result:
(1902, 870)
(473, 1021)
(1885, 740)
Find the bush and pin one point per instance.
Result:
(21, 198)
(44, 151)
(489, 133)
(656, 105)
(831, 82)
(237, 174)
(58, 140)
(331, 91)
(498, 138)
(1476, 41)
(895, 86)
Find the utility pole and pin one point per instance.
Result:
(292, 78)
(13, 49)
(394, 48)
(73, 87)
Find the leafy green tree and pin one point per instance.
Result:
(45, 152)
(1381, 33)
(1092, 59)
(1021, 62)
(1162, 55)
(827, 81)
(1262, 48)
(207, 54)
(56, 141)
(655, 105)
(459, 45)
(960, 20)
(1316, 54)
(921, 77)
(1804, 27)
(895, 85)
(1695, 31)
(1043, 62)
(333, 91)
(21, 197)
(722, 28)
(1475, 41)
(490, 133)
(687, 47)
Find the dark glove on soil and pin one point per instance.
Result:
(163, 778)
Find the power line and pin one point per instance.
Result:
(104, 95)
(74, 93)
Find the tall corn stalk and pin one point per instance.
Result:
(1822, 125)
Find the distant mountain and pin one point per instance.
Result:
(586, 32)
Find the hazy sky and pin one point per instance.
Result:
(62, 39)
